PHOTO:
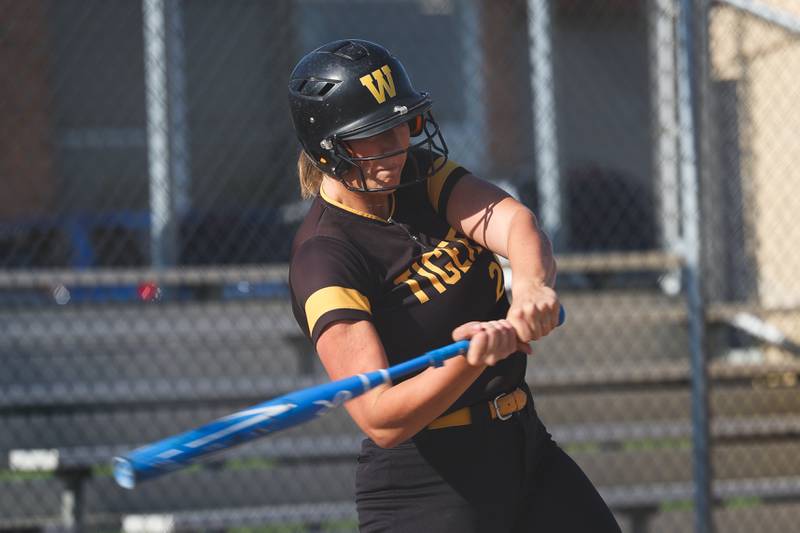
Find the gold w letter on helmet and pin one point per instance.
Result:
(383, 78)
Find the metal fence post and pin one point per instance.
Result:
(548, 176)
(166, 126)
(688, 111)
(662, 18)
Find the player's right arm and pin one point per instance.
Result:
(390, 415)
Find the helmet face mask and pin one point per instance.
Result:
(355, 89)
(432, 141)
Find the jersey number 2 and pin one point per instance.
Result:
(496, 273)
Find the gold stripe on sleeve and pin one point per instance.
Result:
(331, 298)
(436, 182)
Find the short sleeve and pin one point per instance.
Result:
(329, 282)
(442, 182)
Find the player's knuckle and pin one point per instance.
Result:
(478, 340)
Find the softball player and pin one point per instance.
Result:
(397, 256)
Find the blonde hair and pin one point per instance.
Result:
(310, 176)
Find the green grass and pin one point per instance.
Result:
(742, 502)
(642, 445)
(102, 470)
(253, 463)
(680, 505)
(339, 526)
(285, 528)
(582, 447)
(22, 475)
(637, 445)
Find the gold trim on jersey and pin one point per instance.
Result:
(436, 182)
(332, 298)
(355, 211)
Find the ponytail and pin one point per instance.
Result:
(310, 176)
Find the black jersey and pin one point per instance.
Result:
(412, 275)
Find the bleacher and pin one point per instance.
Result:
(82, 383)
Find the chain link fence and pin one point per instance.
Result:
(150, 199)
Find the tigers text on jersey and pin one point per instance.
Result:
(412, 275)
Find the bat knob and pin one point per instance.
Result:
(123, 473)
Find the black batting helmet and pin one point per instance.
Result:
(353, 89)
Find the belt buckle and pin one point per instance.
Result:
(497, 407)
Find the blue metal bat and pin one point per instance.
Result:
(289, 410)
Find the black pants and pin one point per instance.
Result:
(500, 476)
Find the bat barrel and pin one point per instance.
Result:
(285, 411)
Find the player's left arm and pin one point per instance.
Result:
(494, 219)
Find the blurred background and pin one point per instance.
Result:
(149, 199)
